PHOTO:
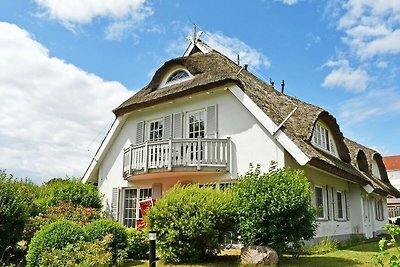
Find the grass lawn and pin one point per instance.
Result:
(359, 255)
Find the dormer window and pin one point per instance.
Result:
(375, 169)
(177, 75)
(323, 139)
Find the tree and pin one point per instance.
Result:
(13, 212)
(274, 209)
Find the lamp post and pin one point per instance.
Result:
(152, 247)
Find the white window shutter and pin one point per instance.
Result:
(334, 208)
(313, 199)
(140, 132)
(346, 199)
(156, 190)
(167, 131)
(328, 203)
(212, 122)
(115, 203)
(177, 126)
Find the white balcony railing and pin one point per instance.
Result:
(171, 153)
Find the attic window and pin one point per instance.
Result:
(375, 169)
(322, 138)
(177, 75)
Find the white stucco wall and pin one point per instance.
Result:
(250, 142)
(394, 177)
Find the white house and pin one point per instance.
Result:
(392, 164)
(203, 119)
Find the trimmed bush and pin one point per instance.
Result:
(13, 212)
(138, 244)
(82, 254)
(274, 209)
(98, 229)
(53, 236)
(70, 190)
(190, 222)
(63, 211)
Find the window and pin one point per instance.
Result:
(130, 205)
(320, 202)
(340, 205)
(379, 209)
(131, 208)
(156, 130)
(177, 75)
(196, 124)
(323, 139)
(375, 169)
(223, 186)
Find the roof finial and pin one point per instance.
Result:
(194, 32)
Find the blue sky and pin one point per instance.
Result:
(65, 64)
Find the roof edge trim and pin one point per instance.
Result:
(105, 144)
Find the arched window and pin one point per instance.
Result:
(322, 138)
(177, 75)
(375, 169)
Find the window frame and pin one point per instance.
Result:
(343, 203)
(379, 214)
(165, 82)
(322, 138)
(324, 202)
(188, 114)
(375, 169)
(160, 121)
(136, 200)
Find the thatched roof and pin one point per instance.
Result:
(214, 69)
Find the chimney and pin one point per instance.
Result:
(283, 86)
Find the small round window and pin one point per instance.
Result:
(177, 75)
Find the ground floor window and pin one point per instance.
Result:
(131, 208)
(379, 209)
(320, 202)
(220, 186)
(340, 205)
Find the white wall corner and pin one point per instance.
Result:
(270, 126)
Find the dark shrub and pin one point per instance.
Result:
(98, 229)
(190, 222)
(52, 236)
(275, 209)
(138, 244)
(70, 190)
(13, 212)
(63, 211)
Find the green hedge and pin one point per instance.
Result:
(69, 190)
(53, 236)
(191, 222)
(138, 244)
(96, 230)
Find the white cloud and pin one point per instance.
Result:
(288, 2)
(371, 28)
(344, 76)
(374, 105)
(123, 14)
(231, 47)
(50, 110)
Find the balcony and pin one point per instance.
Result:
(180, 155)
